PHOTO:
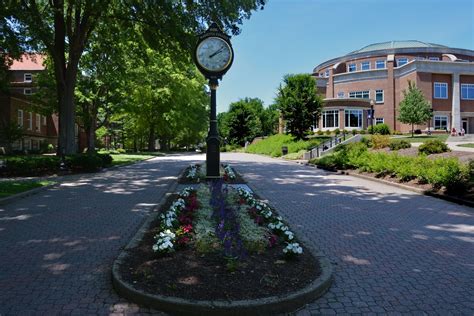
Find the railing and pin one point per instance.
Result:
(317, 151)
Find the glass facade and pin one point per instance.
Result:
(440, 122)
(330, 118)
(353, 118)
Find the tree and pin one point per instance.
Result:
(10, 132)
(243, 120)
(63, 29)
(414, 108)
(299, 103)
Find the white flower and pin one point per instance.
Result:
(293, 248)
(289, 235)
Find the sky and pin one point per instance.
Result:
(294, 36)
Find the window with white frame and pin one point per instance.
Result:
(380, 64)
(27, 77)
(340, 95)
(402, 61)
(353, 118)
(321, 74)
(467, 91)
(360, 94)
(440, 90)
(440, 122)
(38, 123)
(326, 73)
(379, 96)
(365, 65)
(330, 118)
(379, 120)
(44, 120)
(30, 120)
(351, 68)
(27, 91)
(20, 118)
(433, 58)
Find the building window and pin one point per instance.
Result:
(440, 90)
(38, 123)
(331, 119)
(20, 118)
(365, 65)
(359, 94)
(353, 118)
(402, 61)
(27, 77)
(30, 120)
(326, 73)
(379, 120)
(380, 64)
(44, 120)
(433, 58)
(351, 68)
(379, 96)
(28, 144)
(321, 74)
(467, 91)
(441, 122)
(340, 95)
(27, 91)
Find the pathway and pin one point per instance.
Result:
(393, 250)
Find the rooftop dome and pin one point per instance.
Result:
(394, 45)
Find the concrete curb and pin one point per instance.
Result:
(448, 198)
(263, 306)
(21, 195)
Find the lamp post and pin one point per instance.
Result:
(213, 57)
(371, 116)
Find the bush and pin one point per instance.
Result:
(30, 165)
(354, 132)
(366, 141)
(380, 141)
(397, 144)
(434, 146)
(362, 131)
(345, 131)
(320, 132)
(84, 162)
(106, 159)
(271, 146)
(381, 129)
(328, 132)
(337, 131)
(418, 131)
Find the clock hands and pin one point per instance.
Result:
(216, 52)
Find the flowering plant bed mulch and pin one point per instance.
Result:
(215, 242)
(196, 173)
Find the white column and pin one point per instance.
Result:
(456, 107)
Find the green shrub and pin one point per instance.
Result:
(471, 171)
(354, 132)
(30, 165)
(337, 131)
(362, 131)
(381, 129)
(396, 144)
(271, 146)
(106, 159)
(84, 162)
(328, 132)
(447, 172)
(380, 141)
(345, 131)
(320, 132)
(434, 146)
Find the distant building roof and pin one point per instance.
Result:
(395, 44)
(29, 62)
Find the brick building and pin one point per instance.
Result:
(380, 72)
(16, 106)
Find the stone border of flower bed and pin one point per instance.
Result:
(21, 195)
(263, 306)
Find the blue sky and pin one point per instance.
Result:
(293, 36)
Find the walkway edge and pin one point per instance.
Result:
(21, 195)
(264, 306)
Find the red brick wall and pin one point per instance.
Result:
(442, 104)
(466, 105)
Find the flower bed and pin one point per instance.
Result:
(196, 173)
(219, 243)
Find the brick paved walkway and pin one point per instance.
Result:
(393, 250)
(57, 247)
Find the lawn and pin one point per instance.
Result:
(470, 145)
(422, 138)
(123, 159)
(272, 145)
(8, 188)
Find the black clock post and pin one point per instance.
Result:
(213, 57)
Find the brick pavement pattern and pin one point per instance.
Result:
(57, 247)
(394, 251)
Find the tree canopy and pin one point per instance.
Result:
(414, 108)
(299, 104)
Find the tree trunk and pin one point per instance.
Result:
(412, 129)
(151, 139)
(91, 139)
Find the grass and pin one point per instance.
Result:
(422, 138)
(123, 159)
(295, 156)
(470, 145)
(8, 188)
(272, 145)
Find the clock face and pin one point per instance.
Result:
(214, 54)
